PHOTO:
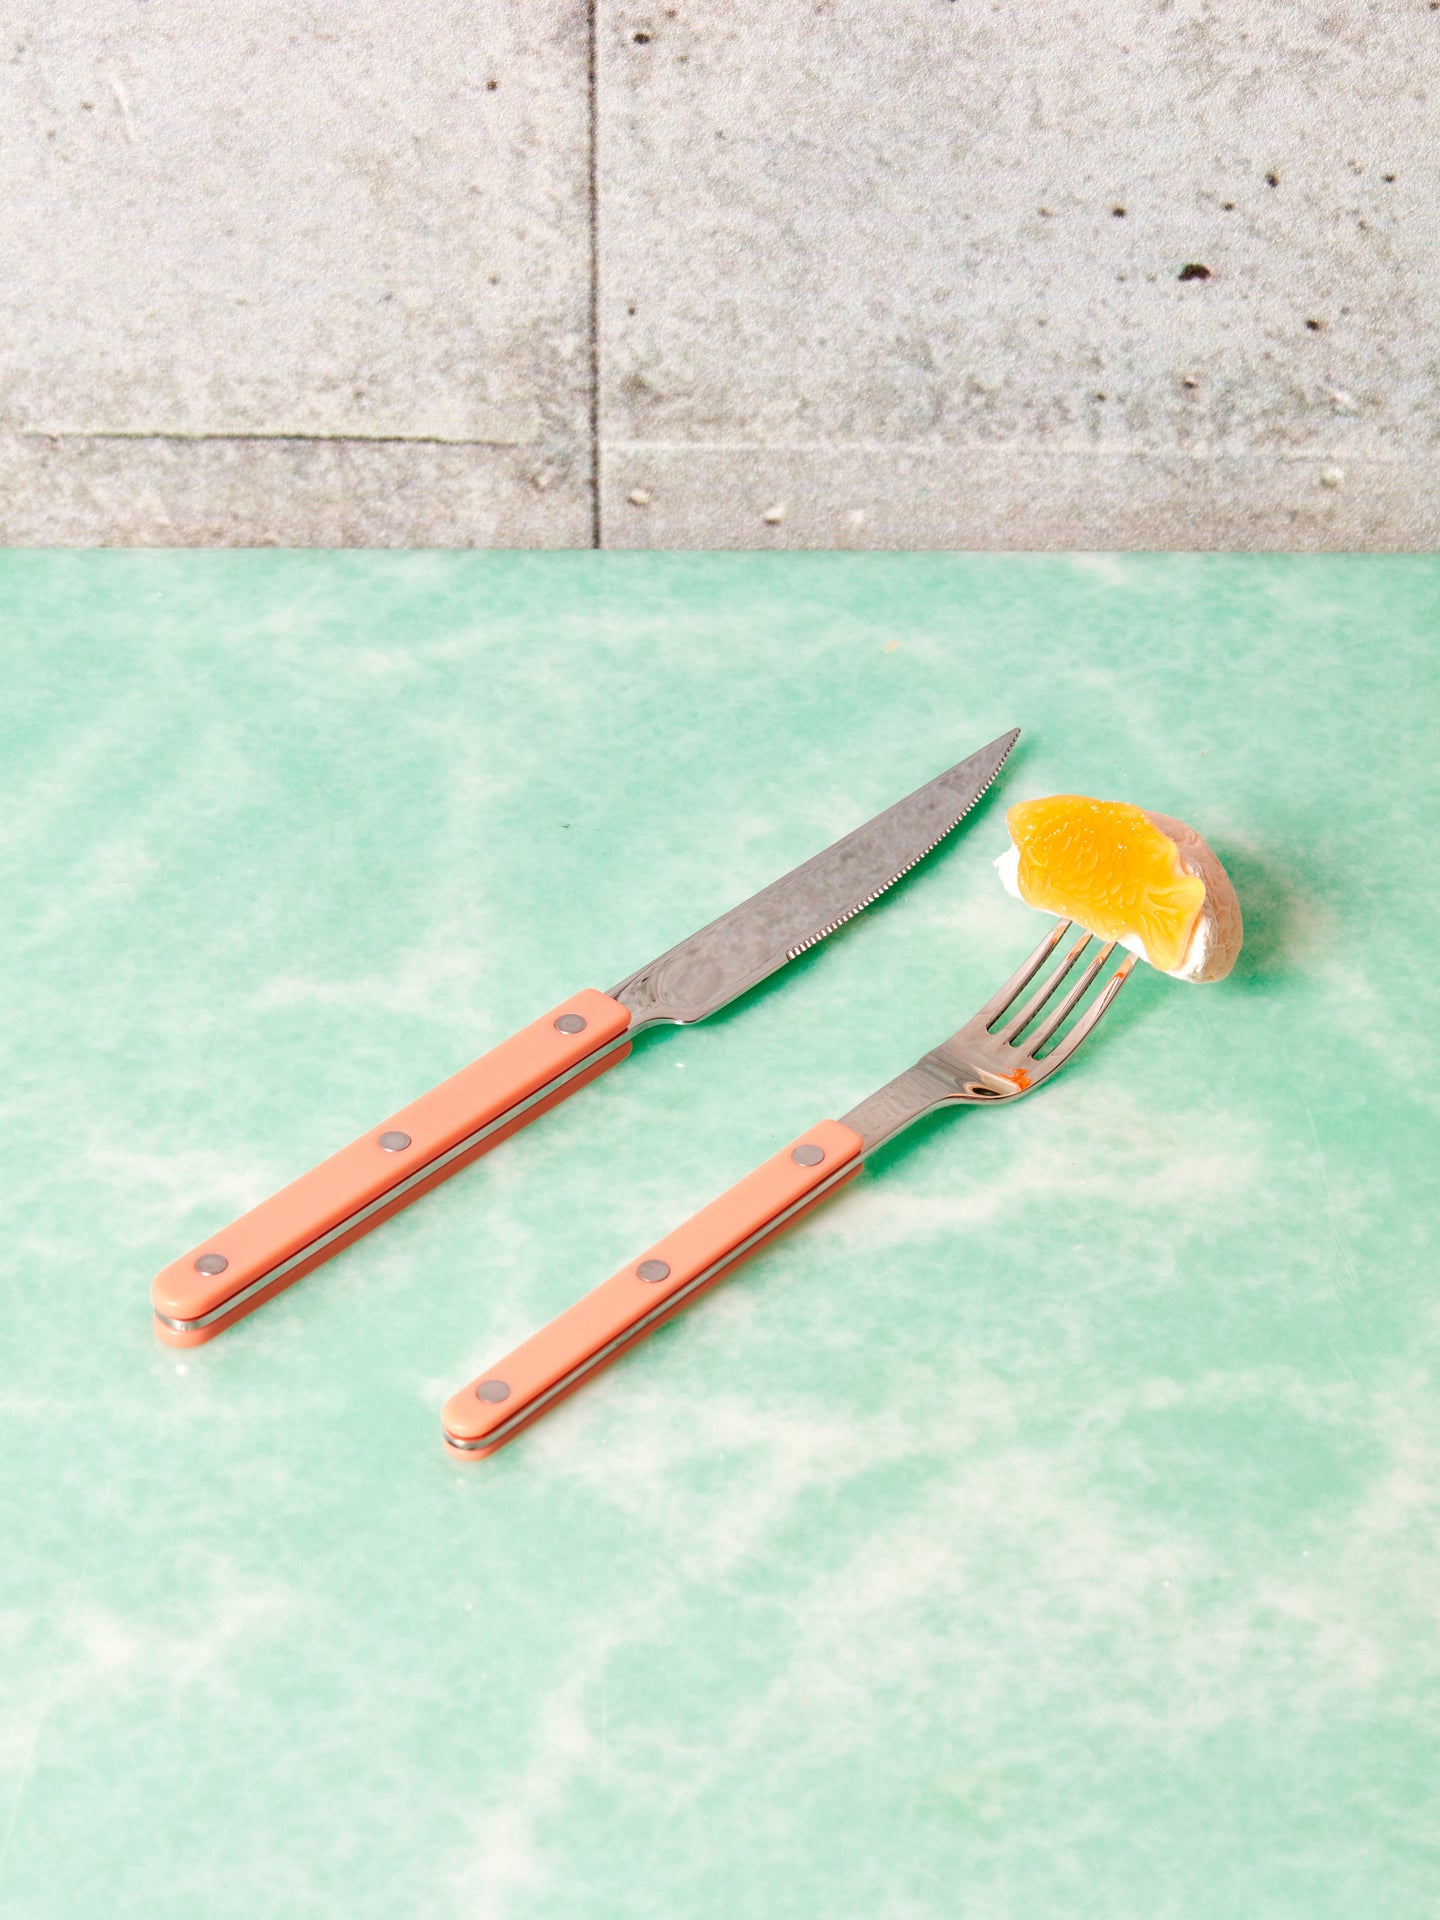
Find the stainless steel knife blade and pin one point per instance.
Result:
(735, 952)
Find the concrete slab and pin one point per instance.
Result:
(364, 231)
(1016, 498)
(1126, 275)
(908, 276)
(278, 492)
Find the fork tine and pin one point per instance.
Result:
(1021, 978)
(1085, 1027)
(1013, 1028)
(1068, 1005)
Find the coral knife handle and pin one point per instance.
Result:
(291, 1233)
(587, 1336)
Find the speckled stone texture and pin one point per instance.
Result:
(913, 275)
(1047, 1526)
(836, 275)
(276, 275)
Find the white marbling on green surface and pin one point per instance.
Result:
(1047, 1527)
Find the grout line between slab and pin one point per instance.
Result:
(282, 438)
(593, 91)
(1028, 448)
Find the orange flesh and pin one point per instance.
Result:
(1101, 862)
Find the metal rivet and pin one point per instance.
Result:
(571, 1023)
(211, 1263)
(492, 1390)
(652, 1270)
(807, 1156)
(394, 1142)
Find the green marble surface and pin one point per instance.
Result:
(1047, 1527)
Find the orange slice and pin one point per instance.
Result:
(1107, 865)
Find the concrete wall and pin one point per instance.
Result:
(846, 273)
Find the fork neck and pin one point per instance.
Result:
(943, 1078)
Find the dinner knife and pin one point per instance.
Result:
(287, 1236)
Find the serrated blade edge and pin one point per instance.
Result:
(804, 907)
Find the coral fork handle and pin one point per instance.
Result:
(292, 1232)
(587, 1336)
